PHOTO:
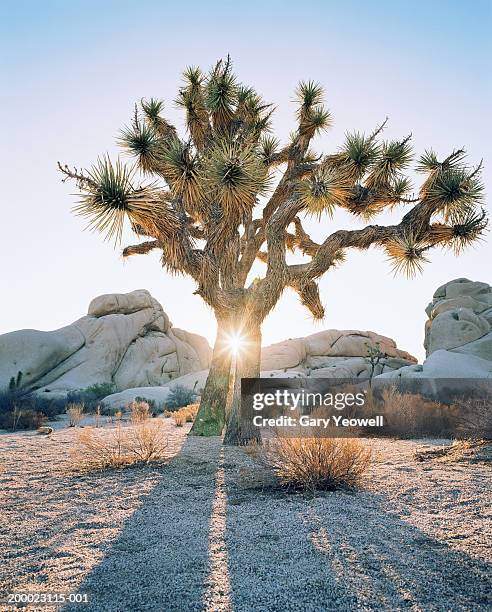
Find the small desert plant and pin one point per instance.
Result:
(374, 354)
(184, 415)
(474, 419)
(409, 415)
(120, 446)
(97, 417)
(75, 414)
(179, 418)
(26, 418)
(150, 402)
(315, 463)
(140, 410)
(180, 396)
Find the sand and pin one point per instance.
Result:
(195, 532)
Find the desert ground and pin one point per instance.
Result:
(204, 530)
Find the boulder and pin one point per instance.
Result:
(194, 381)
(125, 339)
(334, 354)
(458, 335)
(460, 313)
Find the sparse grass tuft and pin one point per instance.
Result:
(185, 415)
(140, 442)
(75, 414)
(315, 463)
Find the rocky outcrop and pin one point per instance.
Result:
(458, 333)
(333, 353)
(125, 339)
(327, 354)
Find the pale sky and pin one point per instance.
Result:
(72, 72)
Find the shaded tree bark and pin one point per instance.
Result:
(210, 419)
(240, 429)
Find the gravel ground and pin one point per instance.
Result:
(197, 533)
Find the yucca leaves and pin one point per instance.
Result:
(393, 157)
(461, 235)
(309, 94)
(141, 141)
(311, 114)
(191, 98)
(268, 148)
(324, 191)
(406, 254)
(454, 192)
(221, 94)
(356, 156)
(110, 196)
(151, 110)
(181, 167)
(235, 175)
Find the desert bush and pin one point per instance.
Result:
(184, 415)
(18, 409)
(75, 414)
(179, 397)
(140, 411)
(409, 415)
(22, 418)
(140, 442)
(153, 409)
(179, 418)
(315, 463)
(474, 419)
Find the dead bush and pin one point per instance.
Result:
(315, 463)
(474, 419)
(140, 411)
(409, 415)
(75, 414)
(119, 446)
(184, 415)
(179, 418)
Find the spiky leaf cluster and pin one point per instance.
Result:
(235, 176)
(109, 195)
(324, 191)
(406, 254)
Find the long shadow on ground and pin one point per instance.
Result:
(203, 539)
(160, 561)
(340, 551)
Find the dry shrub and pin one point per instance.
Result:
(179, 418)
(185, 415)
(409, 415)
(97, 417)
(460, 451)
(315, 463)
(140, 442)
(140, 411)
(474, 419)
(74, 412)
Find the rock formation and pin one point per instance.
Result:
(458, 333)
(327, 354)
(125, 339)
(332, 353)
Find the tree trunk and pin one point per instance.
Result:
(240, 429)
(210, 419)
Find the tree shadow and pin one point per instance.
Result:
(160, 560)
(342, 551)
(202, 540)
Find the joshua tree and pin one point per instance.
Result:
(228, 193)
